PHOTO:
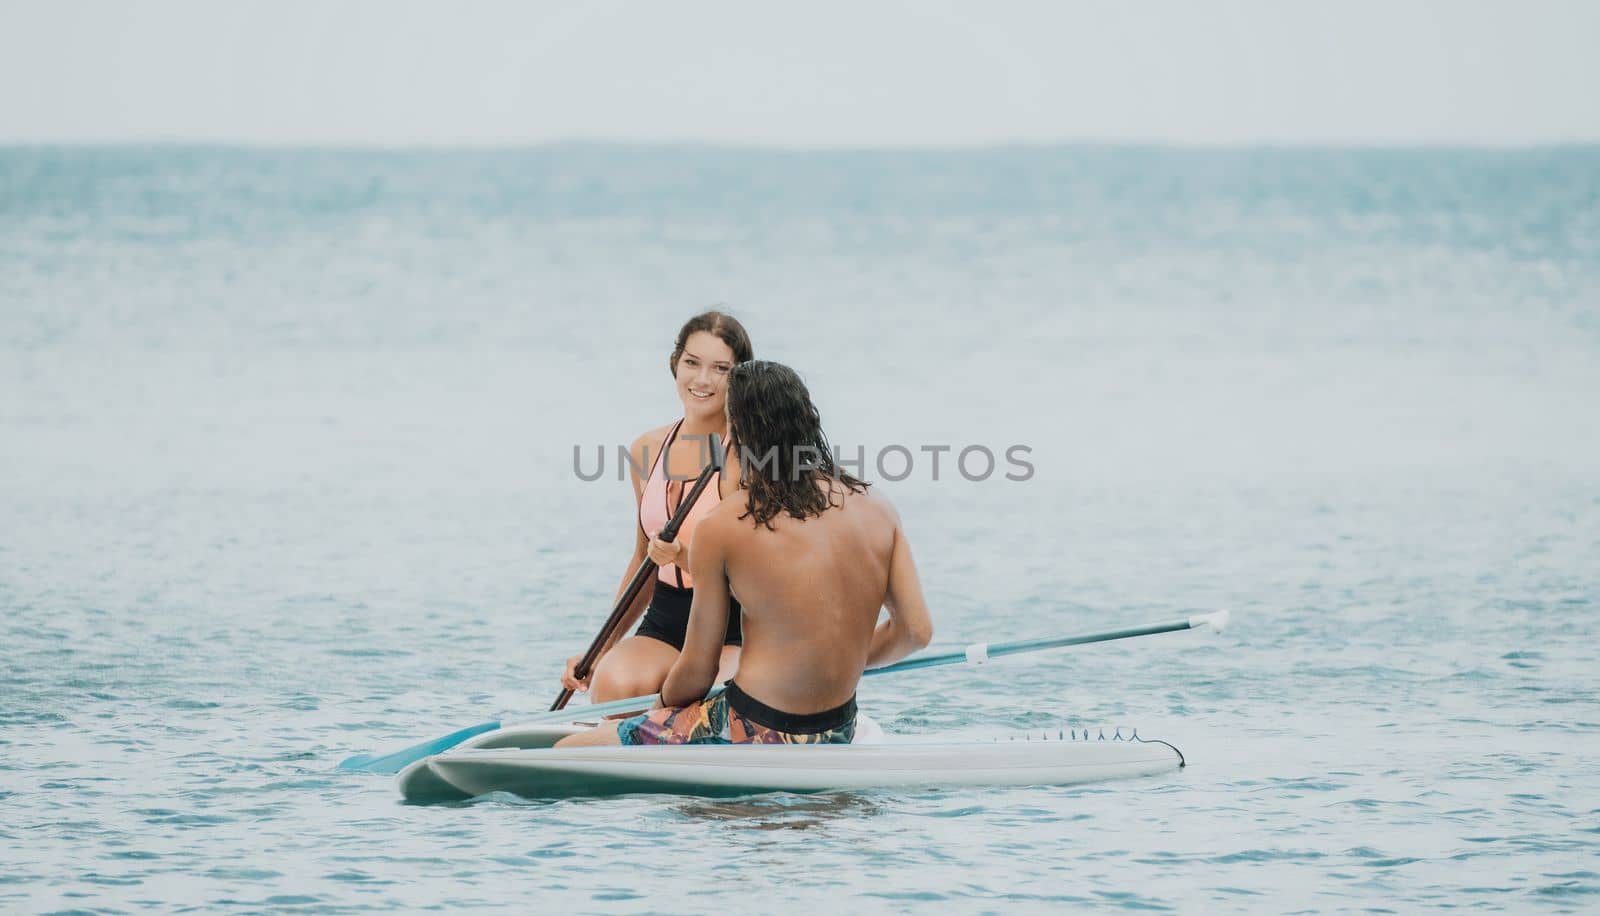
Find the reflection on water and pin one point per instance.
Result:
(782, 812)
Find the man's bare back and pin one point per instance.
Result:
(814, 555)
(811, 590)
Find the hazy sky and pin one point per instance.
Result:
(819, 73)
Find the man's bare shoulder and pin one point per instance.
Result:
(873, 501)
(724, 516)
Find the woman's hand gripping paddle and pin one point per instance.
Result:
(642, 575)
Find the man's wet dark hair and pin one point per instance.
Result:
(782, 450)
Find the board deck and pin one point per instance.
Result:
(521, 761)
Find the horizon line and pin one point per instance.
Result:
(513, 146)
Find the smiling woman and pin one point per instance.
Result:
(707, 348)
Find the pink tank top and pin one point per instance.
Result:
(657, 505)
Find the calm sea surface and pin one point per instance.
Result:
(286, 474)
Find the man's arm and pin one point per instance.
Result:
(909, 626)
(696, 668)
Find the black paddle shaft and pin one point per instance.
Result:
(643, 573)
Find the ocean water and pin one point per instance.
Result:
(286, 474)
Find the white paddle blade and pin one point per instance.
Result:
(1217, 621)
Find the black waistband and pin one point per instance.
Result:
(810, 723)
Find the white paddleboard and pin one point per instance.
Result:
(519, 760)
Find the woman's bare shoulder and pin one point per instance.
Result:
(652, 438)
(646, 447)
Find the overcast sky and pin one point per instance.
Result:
(813, 74)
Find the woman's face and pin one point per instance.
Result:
(703, 375)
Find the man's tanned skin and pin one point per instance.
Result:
(811, 591)
(814, 556)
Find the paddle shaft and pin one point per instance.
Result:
(980, 652)
(642, 575)
(977, 654)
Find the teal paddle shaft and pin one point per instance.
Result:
(977, 653)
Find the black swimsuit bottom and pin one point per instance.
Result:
(668, 617)
(810, 723)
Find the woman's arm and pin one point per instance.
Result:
(642, 450)
(640, 601)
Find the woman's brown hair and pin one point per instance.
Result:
(721, 324)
